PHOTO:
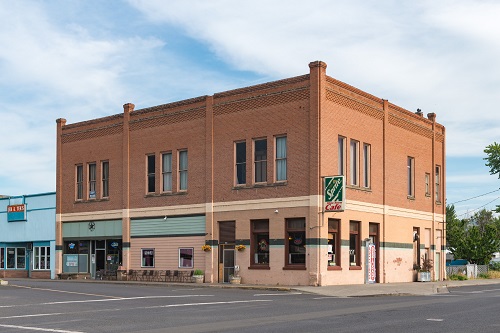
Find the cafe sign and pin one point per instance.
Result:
(16, 213)
(334, 194)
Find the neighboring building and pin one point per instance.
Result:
(27, 236)
(146, 189)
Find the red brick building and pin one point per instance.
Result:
(243, 171)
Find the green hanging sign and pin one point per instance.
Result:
(334, 194)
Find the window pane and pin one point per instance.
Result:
(92, 180)
(105, 179)
(148, 258)
(79, 182)
(151, 173)
(296, 245)
(186, 257)
(241, 158)
(2, 257)
(281, 157)
(366, 165)
(260, 159)
(183, 170)
(11, 257)
(21, 257)
(341, 155)
(354, 162)
(167, 171)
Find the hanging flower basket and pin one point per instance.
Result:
(240, 247)
(206, 248)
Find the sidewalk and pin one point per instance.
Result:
(357, 290)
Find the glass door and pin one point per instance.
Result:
(228, 260)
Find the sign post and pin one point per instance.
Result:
(334, 194)
(371, 255)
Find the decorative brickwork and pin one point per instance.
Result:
(354, 104)
(92, 133)
(168, 118)
(264, 86)
(262, 101)
(408, 125)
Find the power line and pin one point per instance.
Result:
(476, 197)
(479, 207)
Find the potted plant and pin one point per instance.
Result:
(206, 248)
(198, 276)
(424, 270)
(240, 247)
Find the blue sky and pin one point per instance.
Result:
(80, 60)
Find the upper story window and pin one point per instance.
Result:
(183, 170)
(427, 184)
(438, 183)
(241, 162)
(411, 176)
(105, 179)
(366, 165)
(166, 170)
(354, 163)
(281, 154)
(341, 152)
(92, 180)
(151, 179)
(79, 182)
(260, 160)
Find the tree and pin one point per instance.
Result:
(474, 239)
(493, 161)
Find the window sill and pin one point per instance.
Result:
(334, 268)
(259, 185)
(294, 268)
(359, 188)
(265, 267)
(410, 197)
(428, 195)
(438, 203)
(164, 194)
(91, 200)
(355, 268)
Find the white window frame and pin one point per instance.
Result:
(143, 262)
(40, 259)
(281, 158)
(183, 170)
(438, 183)
(354, 162)
(92, 178)
(260, 164)
(240, 164)
(105, 179)
(410, 177)
(16, 257)
(166, 170)
(341, 155)
(367, 152)
(192, 257)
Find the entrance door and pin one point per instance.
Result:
(228, 263)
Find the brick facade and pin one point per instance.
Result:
(312, 111)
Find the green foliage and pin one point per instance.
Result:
(474, 239)
(494, 266)
(198, 272)
(459, 277)
(493, 161)
(484, 276)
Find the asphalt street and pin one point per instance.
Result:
(71, 307)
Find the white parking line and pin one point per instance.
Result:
(106, 300)
(62, 291)
(38, 329)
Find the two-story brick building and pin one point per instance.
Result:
(243, 171)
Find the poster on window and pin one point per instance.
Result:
(334, 194)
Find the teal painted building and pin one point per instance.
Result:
(27, 236)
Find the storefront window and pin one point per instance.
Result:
(16, 257)
(333, 242)
(186, 257)
(260, 242)
(41, 258)
(296, 245)
(354, 244)
(148, 257)
(2, 257)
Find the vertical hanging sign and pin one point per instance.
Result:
(16, 213)
(371, 269)
(334, 194)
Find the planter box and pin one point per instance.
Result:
(424, 276)
(198, 278)
(235, 279)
